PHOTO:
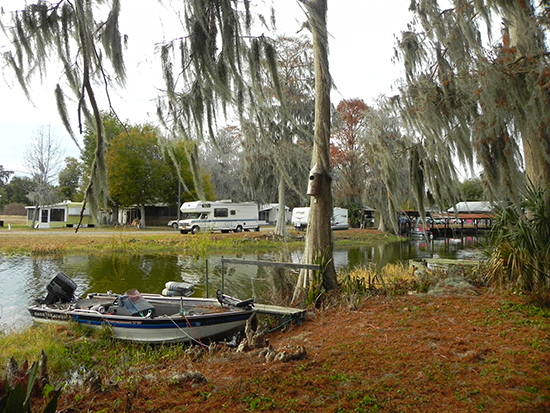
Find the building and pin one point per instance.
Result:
(63, 214)
(270, 212)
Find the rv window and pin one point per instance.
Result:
(190, 215)
(220, 212)
(206, 205)
(233, 212)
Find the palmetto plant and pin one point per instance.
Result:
(521, 245)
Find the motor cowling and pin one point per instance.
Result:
(60, 289)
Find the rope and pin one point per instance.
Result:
(185, 332)
(281, 325)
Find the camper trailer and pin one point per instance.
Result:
(339, 219)
(221, 216)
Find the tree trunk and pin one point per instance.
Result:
(318, 245)
(142, 223)
(535, 141)
(536, 151)
(280, 228)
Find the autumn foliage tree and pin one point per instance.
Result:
(349, 166)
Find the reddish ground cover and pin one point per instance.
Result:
(457, 353)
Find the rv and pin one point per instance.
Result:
(339, 219)
(221, 216)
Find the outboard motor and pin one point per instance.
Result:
(60, 289)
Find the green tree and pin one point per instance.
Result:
(70, 180)
(4, 179)
(137, 170)
(472, 190)
(17, 190)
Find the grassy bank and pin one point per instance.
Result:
(484, 352)
(23, 240)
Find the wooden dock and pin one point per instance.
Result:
(286, 314)
(294, 313)
(442, 262)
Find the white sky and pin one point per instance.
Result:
(360, 52)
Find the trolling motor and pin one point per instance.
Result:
(228, 301)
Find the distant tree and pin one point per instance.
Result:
(4, 178)
(181, 183)
(347, 157)
(142, 172)
(223, 161)
(472, 190)
(14, 209)
(43, 160)
(386, 186)
(112, 127)
(18, 188)
(70, 180)
(136, 169)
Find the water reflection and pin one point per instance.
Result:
(22, 278)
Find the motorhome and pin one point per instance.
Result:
(221, 216)
(300, 217)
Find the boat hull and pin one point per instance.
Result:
(180, 327)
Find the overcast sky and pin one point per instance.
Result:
(361, 43)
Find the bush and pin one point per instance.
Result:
(14, 209)
(520, 254)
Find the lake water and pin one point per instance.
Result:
(24, 278)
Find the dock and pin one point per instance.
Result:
(442, 262)
(286, 314)
(293, 313)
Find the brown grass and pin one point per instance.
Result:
(484, 353)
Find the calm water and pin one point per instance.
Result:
(22, 278)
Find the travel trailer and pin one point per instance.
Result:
(339, 219)
(221, 216)
(63, 214)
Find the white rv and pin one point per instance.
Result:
(339, 219)
(221, 216)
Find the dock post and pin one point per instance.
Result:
(206, 281)
(223, 275)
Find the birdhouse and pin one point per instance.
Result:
(315, 181)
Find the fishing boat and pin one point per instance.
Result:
(148, 318)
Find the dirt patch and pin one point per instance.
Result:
(431, 353)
